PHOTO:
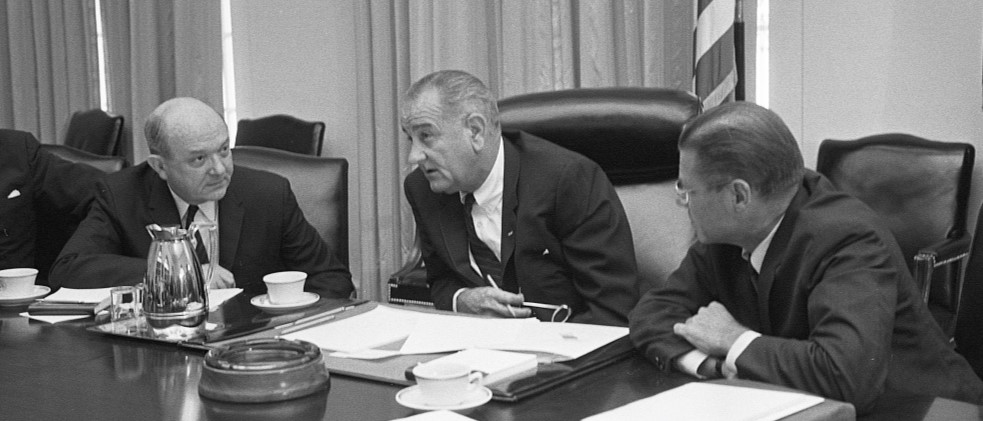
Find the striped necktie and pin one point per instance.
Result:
(199, 244)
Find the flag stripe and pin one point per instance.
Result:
(713, 21)
(714, 65)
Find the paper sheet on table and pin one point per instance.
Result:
(72, 295)
(445, 333)
(442, 415)
(709, 401)
(218, 296)
(571, 340)
(54, 318)
(379, 326)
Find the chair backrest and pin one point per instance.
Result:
(920, 187)
(632, 133)
(283, 132)
(107, 164)
(95, 131)
(969, 321)
(320, 185)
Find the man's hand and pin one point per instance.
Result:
(712, 330)
(221, 277)
(491, 301)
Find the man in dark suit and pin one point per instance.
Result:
(543, 224)
(791, 282)
(189, 177)
(37, 188)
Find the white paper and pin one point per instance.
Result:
(442, 415)
(709, 401)
(54, 318)
(379, 326)
(72, 295)
(218, 296)
(571, 340)
(445, 333)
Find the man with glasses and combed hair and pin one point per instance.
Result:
(190, 178)
(791, 282)
(508, 218)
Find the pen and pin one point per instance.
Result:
(494, 285)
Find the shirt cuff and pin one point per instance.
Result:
(742, 342)
(454, 301)
(690, 362)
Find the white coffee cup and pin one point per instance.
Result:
(17, 282)
(444, 384)
(285, 287)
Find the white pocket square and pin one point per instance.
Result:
(13, 194)
(545, 252)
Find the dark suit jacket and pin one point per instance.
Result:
(52, 194)
(565, 236)
(261, 230)
(838, 310)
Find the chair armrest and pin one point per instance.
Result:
(947, 252)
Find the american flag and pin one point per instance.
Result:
(714, 67)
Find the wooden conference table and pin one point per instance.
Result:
(63, 371)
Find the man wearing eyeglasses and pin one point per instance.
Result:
(508, 219)
(791, 282)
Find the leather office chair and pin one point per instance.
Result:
(969, 321)
(282, 132)
(320, 185)
(54, 229)
(921, 188)
(107, 164)
(632, 134)
(95, 131)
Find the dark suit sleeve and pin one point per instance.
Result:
(597, 243)
(663, 306)
(304, 250)
(851, 312)
(94, 257)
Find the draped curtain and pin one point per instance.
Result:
(48, 65)
(157, 50)
(515, 46)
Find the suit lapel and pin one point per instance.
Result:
(230, 215)
(510, 203)
(774, 258)
(163, 210)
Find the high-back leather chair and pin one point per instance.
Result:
(95, 131)
(282, 132)
(320, 185)
(632, 133)
(107, 164)
(969, 321)
(921, 189)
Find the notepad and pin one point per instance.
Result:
(710, 401)
(495, 365)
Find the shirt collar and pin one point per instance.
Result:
(207, 208)
(491, 189)
(757, 257)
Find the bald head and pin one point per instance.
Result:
(181, 119)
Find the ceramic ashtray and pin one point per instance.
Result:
(263, 370)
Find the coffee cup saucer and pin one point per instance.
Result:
(412, 397)
(19, 300)
(263, 302)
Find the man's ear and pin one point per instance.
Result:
(476, 124)
(742, 194)
(157, 163)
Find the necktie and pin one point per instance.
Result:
(200, 251)
(483, 256)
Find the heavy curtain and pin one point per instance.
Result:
(515, 46)
(48, 65)
(157, 50)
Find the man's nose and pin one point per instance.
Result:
(219, 165)
(416, 153)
